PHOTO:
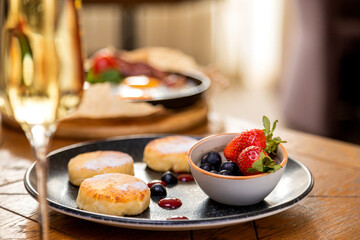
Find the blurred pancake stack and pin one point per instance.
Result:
(149, 90)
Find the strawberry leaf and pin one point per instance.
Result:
(258, 166)
(271, 143)
(264, 164)
(266, 123)
(274, 126)
(274, 168)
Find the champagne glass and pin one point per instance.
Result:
(41, 74)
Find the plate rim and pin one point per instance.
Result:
(163, 225)
(204, 85)
(196, 91)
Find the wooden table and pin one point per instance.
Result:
(331, 211)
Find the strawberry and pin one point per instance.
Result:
(255, 137)
(254, 160)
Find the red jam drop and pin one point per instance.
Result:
(170, 203)
(177, 217)
(150, 184)
(185, 178)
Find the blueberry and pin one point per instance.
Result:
(232, 167)
(214, 171)
(207, 167)
(158, 191)
(169, 178)
(213, 158)
(225, 172)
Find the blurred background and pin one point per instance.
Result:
(296, 61)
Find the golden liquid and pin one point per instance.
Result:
(41, 61)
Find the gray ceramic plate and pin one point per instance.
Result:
(186, 97)
(202, 212)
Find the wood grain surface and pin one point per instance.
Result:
(331, 211)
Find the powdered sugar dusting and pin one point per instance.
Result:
(123, 187)
(108, 160)
(134, 185)
(176, 145)
(140, 185)
(118, 181)
(105, 177)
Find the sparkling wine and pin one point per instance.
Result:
(42, 71)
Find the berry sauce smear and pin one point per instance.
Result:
(170, 203)
(185, 178)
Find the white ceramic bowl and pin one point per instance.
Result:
(232, 190)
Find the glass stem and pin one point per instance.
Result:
(39, 137)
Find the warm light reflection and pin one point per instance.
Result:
(131, 93)
(243, 38)
(33, 110)
(265, 46)
(28, 69)
(249, 44)
(141, 82)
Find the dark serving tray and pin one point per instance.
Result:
(202, 212)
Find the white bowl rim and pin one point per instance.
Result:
(193, 165)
